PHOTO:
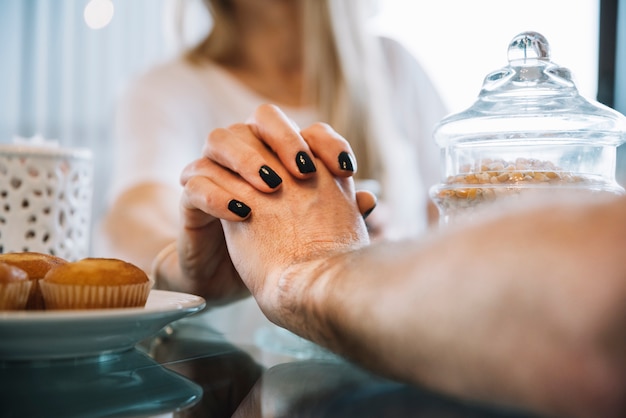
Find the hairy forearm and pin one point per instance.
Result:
(526, 327)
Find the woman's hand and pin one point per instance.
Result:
(257, 177)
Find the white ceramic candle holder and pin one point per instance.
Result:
(45, 200)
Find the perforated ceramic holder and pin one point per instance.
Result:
(45, 200)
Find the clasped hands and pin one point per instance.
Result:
(263, 197)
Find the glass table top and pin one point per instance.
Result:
(184, 371)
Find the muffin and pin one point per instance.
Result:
(36, 265)
(14, 287)
(95, 283)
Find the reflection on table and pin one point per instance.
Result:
(190, 372)
(237, 382)
(126, 384)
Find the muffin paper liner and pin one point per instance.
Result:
(14, 295)
(64, 296)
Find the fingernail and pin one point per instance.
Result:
(238, 208)
(367, 212)
(345, 161)
(270, 177)
(304, 162)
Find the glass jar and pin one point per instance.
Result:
(529, 129)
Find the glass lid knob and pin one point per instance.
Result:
(529, 46)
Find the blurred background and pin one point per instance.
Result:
(64, 63)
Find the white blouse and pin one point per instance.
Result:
(166, 114)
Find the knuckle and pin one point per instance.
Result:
(238, 127)
(214, 140)
(193, 168)
(266, 109)
(322, 126)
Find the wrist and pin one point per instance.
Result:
(165, 267)
(301, 301)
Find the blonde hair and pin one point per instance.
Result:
(345, 81)
(338, 51)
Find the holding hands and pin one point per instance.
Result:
(252, 180)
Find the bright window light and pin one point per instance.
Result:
(459, 42)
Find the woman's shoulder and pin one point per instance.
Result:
(171, 87)
(171, 74)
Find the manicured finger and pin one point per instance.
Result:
(366, 202)
(201, 197)
(232, 149)
(279, 133)
(330, 147)
(212, 189)
(204, 167)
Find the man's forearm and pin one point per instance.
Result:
(459, 315)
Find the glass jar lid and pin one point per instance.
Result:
(531, 99)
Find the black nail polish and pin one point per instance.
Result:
(238, 208)
(345, 161)
(270, 177)
(304, 162)
(367, 212)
